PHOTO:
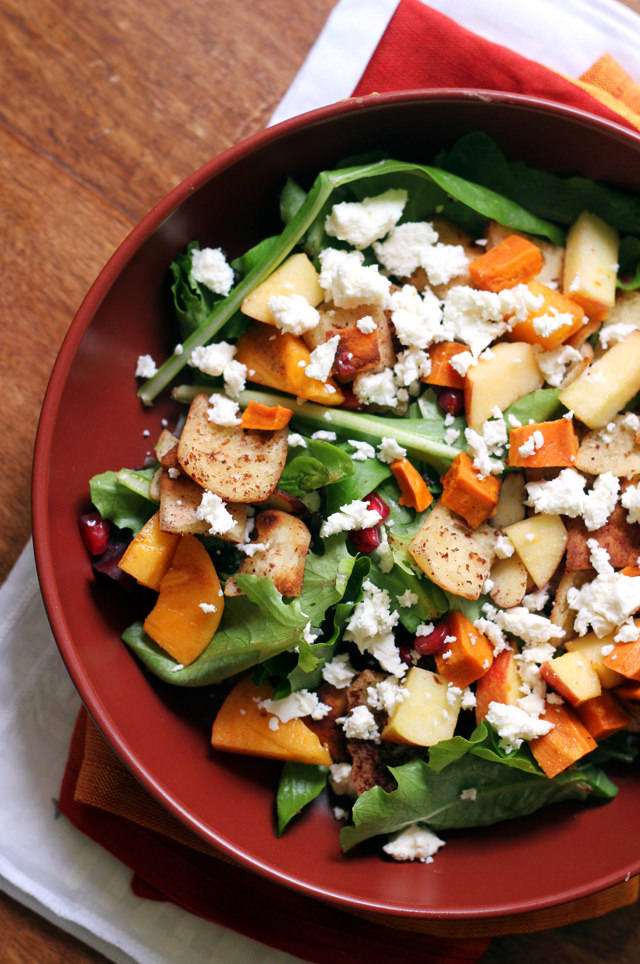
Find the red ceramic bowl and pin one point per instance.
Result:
(92, 420)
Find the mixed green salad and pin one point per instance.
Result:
(396, 524)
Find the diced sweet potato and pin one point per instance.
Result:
(241, 726)
(467, 656)
(149, 554)
(554, 304)
(265, 417)
(625, 659)
(514, 261)
(442, 371)
(603, 716)
(357, 351)
(471, 495)
(178, 622)
(567, 742)
(558, 448)
(414, 489)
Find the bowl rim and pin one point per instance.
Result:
(44, 550)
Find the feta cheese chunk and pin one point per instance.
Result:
(293, 313)
(348, 282)
(209, 267)
(608, 602)
(360, 223)
(145, 367)
(371, 628)
(353, 515)
(514, 725)
(413, 843)
(223, 411)
(297, 704)
(214, 512)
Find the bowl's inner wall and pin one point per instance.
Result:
(92, 421)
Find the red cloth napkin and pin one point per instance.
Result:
(420, 49)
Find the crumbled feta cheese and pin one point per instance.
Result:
(601, 500)
(341, 780)
(411, 365)
(371, 628)
(173, 473)
(413, 843)
(293, 313)
(321, 359)
(611, 334)
(223, 411)
(294, 440)
(212, 359)
(608, 601)
(235, 378)
(514, 725)
(323, 436)
(377, 388)
(551, 321)
(504, 546)
(360, 724)
(214, 512)
(209, 267)
(348, 282)
(425, 629)
(360, 223)
(479, 452)
(404, 250)
(407, 599)
(339, 672)
(297, 704)
(384, 553)
(354, 515)
(389, 451)
(208, 607)
(145, 367)
(462, 362)
(451, 436)
(553, 364)
(417, 319)
(386, 695)
(366, 325)
(477, 318)
(530, 627)
(565, 495)
(630, 499)
(532, 444)
(363, 450)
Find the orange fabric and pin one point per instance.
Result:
(606, 77)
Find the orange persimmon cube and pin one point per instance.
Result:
(552, 323)
(278, 359)
(544, 444)
(603, 716)
(357, 351)
(567, 742)
(442, 373)
(189, 605)
(514, 261)
(467, 492)
(149, 554)
(628, 692)
(414, 489)
(243, 726)
(269, 418)
(625, 659)
(468, 654)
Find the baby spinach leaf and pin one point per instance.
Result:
(192, 302)
(125, 506)
(300, 783)
(320, 464)
(438, 798)
(539, 406)
(364, 479)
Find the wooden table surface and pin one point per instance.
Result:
(105, 106)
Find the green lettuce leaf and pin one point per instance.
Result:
(300, 783)
(320, 464)
(123, 497)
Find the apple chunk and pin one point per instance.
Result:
(428, 714)
(540, 542)
(296, 276)
(510, 373)
(286, 541)
(455, 557)
(605, 387)
(572, 676)
(591, 264)
(500, 684)
(509, 578)
(595, 648)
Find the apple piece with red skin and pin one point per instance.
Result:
(500, 684)
(572, 676)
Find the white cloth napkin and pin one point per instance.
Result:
(44, 862)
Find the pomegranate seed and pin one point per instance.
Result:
(433, 642)
(451, 401)
(95, 532)
(365, 540)
(376, 504)
(406, 652)
(343, 364)
(351, 401)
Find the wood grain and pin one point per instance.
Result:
(104, 108)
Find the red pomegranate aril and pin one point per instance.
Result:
(365, 540)
(351, 401)
(451, 401)
(376, 504)
(433, 642)
(95, 532)
(343, 364)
